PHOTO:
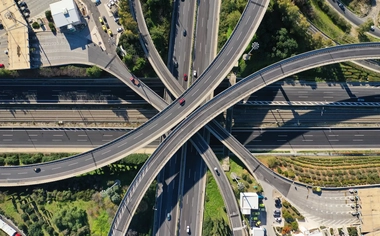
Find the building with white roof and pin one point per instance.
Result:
(248, 202)
(65, 14)
(256, 231)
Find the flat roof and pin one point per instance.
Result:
(370, 203)
(64, 13)
(256, 232)
(18, 37)
(249, 201)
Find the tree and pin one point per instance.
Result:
(286, 229)
(285, 46)
(70, 219)
(94, 72)
(48, 16)
(294, 225)
(35, 230)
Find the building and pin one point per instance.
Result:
(65, 14)
(248, 202)
(256, 231)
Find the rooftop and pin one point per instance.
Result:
(248, 202)
(64, 13)
(18, 37)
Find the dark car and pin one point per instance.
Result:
(341, 6)
(184, 33)
(37, 170)
(182, 101)
(277, 213)
(22, 4)
(185, 77)
(168, 216)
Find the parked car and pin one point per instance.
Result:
(22, 4)
(188, 229)
(110, 33)
(352, 190)
(119, 30)
(104, 28)
(101, 20)
(1, 65)
(184, 33)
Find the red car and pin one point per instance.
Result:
(134, 81)
(1, 65)
(185, 77)
(182, 101)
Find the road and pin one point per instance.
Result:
(224, 100)
(255, 139)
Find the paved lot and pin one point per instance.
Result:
(331, 208)
(3, 46)
(50, 49)
(38, 7)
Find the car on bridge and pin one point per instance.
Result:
(135, 81)
(182, 101)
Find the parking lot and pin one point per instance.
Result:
(37, 8)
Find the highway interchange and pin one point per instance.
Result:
(175, 113)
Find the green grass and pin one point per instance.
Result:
(214, 204)
(323, 22)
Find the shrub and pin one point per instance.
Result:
(52, 27)
(94, 72)
(35, 25)
(49, 17)
(279, 170)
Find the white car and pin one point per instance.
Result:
(119, 30)
(195, 73)
(188, 229)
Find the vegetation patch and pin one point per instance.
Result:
(82, 205)
(230, 13)
(215, 217)
(359, 7)
(327, 171)
(16, 159)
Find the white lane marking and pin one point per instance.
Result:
(303, 96)
(202, 21)
(328, 97)
(7, 135)
(333, 135)
(239, 35)
(168, 116)
(195, 92)
(33, 135)
(82, 140)
(137, 136)
(229, 51)
(106, 152)
(5, 174)
(152, 126)
(73, 164)
(88, 159)
(107, 135)
(357, 140)
(22, 173)
(56, 168)
(82, 135)
(57, 140)
(121, 144)
(308, 135)
(57, 135)
(7, 140)
(359, 135)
